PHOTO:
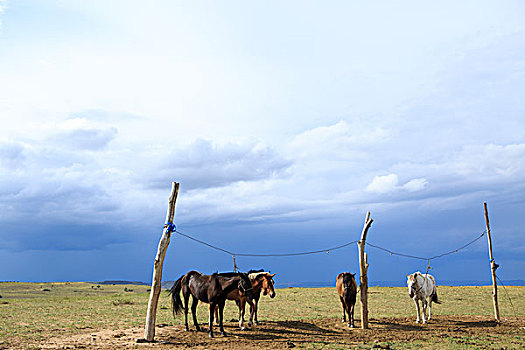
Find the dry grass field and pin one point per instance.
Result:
(91, 316)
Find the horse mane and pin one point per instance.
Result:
(254, 275)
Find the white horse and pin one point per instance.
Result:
(420, 287)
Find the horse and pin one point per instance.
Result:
(239, 296)
(211, 289)
(421, 287)
(347, 289)
(260, 281)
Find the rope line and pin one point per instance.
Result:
(264, 255)
(204, 243)
(427, 258)
(508, 296)
(327, 250)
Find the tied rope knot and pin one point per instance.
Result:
(170, 226)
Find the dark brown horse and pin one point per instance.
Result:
(239, 296)
(347, 289)
(211, 289)
(261, 281)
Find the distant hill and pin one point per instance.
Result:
(124, 282)
(167, 284)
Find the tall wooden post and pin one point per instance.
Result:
(493, 266)
(363, 267)
(149, 330)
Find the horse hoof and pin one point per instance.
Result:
(186, 329)
(350, 326)
(224, 333)
(210, 335)
(249, 324)
(256, 323)
(243, 328)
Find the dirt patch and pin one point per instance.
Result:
(301, 334)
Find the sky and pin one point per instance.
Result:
(283, 122)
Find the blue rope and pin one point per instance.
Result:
(170, 226)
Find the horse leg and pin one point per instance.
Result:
(251, 312)
(417, 307)
(429, 308)
(194, 303)
(424, 303)
(351, 316)
(216, 313)
(242, 305)
(186, 300)
(221, 327)
(210, 320)
(343, 305)
(255, 304)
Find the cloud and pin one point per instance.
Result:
(415, 185)
(490, 160)
(11, 154)
(2, 9)
(343, 140)
(390, 183)
(79, 134)
(383, 184)
(204, 164)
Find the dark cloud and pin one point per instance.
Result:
(204, 164)
(61, 236)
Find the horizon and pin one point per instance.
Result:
(311, 284)
(282, 133)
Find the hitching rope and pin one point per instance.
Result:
(262, 255)
(508, 297)
(427, 258)
(172, 228)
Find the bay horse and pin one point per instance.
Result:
(260, 281)
(347, 289)
(212, 289)
(421, 287)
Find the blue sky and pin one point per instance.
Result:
(284, 123)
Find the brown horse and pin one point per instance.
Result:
(211, 289)
(347, 289)
(239, 296)
(260, 281)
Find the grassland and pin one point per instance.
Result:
(32, 314)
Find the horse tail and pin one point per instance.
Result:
(435, 296)
(176, 301)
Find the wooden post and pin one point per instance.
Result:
(363, 267)
(149, 330)
(493, 266)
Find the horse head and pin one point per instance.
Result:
(412, 285)
(349, 284)
(267, 285)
